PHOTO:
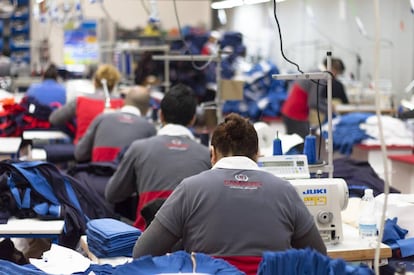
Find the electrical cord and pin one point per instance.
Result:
(281, 41)
(187, 48)
(145, 7)
(298, 68)
(281, 45)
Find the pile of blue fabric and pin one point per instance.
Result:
(178, 262)
(394, 236)
(347, 133)
(306, 261)
(111, 238)
(262, 95)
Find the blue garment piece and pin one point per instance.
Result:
(111, 228)
(103, 252)
(110, 238)
(122, 240)
(305, 261)
(38, 182)
(406, 247)
(347, 132)
(10, 268)
(95, 269)
(177, 262)
(393, 232)
(48, 184)
(48, 92)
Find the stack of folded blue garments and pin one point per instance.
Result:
(111, 238)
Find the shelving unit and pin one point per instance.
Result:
(15, 36)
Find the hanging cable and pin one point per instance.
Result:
(187, 48)
(145, 7)
(281, 40)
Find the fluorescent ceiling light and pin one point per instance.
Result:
(250, 2)
(227, 4)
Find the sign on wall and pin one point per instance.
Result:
(81, 46)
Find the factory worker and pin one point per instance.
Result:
(153, 167)
(110, 132)
(49, 91)
(83, 109)
(234, 211)
(306, 104)
(338, 90)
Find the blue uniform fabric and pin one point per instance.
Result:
(306, 261)
(10, 268)
(177, 262)
(111, 238)
(347, 132)
(262, 95)
(394, 236)
(48, 92)
(53, 194)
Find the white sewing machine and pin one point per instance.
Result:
(325, 199)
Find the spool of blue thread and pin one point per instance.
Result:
(309, 148)
(277, 146)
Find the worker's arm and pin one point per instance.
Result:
(123, 182)
(155, 241)
(83, 150)
(63, 114)
(312, 240)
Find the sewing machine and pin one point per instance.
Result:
(325, 199)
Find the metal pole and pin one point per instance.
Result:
(218, 90)
(328, 77)
(330, 136)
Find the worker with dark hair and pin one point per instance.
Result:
(153, 167)
(49, 91)
(338, 90)
(235, 210)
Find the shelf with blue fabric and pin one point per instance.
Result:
(19, 27)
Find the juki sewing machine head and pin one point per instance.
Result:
(325, 199)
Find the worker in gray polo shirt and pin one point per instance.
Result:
(234, 211)
(109, 133)
(153, 167)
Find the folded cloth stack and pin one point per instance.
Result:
(111, 238)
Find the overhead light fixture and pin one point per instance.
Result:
(227, 4)
(360, 25)
(251, 2)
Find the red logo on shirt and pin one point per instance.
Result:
(177, 144)
(242, 182)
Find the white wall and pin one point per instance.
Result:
(306, 41)
(128, 14)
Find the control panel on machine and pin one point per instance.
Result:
(286, 166)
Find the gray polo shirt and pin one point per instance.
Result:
(235, 209)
